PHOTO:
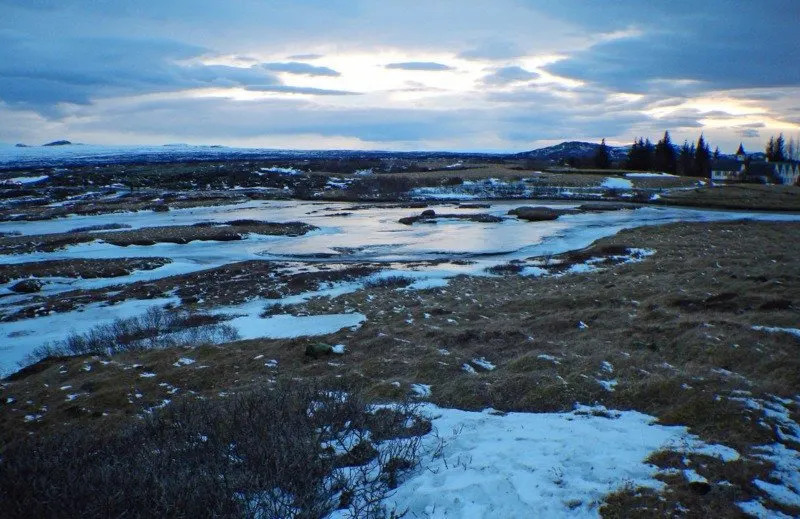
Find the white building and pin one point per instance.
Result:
(787, 173)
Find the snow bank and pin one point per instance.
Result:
(19, 338)
(485, 464)
(616, 183)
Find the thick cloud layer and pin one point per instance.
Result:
(460, 74)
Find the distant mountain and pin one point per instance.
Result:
(572, 149)
(58, 143)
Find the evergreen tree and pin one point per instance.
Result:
(716, 153)
(640, 156)
(664, 155)
(770, 149)
(602, 157)
(685, 158)
(791, 150)
(702, 158)
(648, 155)
(780, 149)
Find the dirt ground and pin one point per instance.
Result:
(738, 196)
(672, 335)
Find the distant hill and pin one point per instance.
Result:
(58, 143)
(572, 150)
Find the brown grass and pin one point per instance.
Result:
(180, 234)
(738, 196)
(676, 328)
(79, 268)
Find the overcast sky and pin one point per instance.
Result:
(503, 75)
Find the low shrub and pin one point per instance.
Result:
(155, 329)
(287, 451)
(103, 227)
(388, 282)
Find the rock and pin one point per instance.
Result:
(700, 488)
(595, 207)
(474, 206)
(318, 349)
(27, 286)
(428, 213)
(535, 214)
(159, 208)
(480, 218)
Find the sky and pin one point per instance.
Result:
(460, 75)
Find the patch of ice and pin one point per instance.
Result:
(147, 374)
(787, 474)
(757, 509)
(184, 361)
(469, 369)
(693, 477)
(338, 349)
(421, 390)
(608, 385)
(616, 183)
(252, 326)
(551, 358)
(530, 465)
(24, 180)
(582, 325)
(483, 363)
(777, 329)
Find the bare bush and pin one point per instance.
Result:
(289, 451)
(388, 282)
(155, 329)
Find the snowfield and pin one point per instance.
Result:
(490, 464)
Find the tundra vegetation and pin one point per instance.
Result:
(179, 415)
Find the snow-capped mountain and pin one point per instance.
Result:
(572, 149)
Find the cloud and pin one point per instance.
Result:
(286, 89)
(37, 74)
(305, 57)
(748, 133)
(695, 50)
(507, 75)
(296, 67)
(428, 66)
(89, 69)
(493, 49)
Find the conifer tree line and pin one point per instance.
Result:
(690, 159)
(778, 150)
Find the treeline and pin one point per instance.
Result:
(778, 150)
(692, 160)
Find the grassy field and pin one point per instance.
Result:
(675, 335)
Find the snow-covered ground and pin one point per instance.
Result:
(489, 464)
(366, 234)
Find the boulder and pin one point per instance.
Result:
(535, 214)
(27, 286)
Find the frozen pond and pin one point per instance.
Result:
(346, 232)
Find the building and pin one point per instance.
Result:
(787, 173)
(744, 169)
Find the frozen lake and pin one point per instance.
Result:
(347, 233)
